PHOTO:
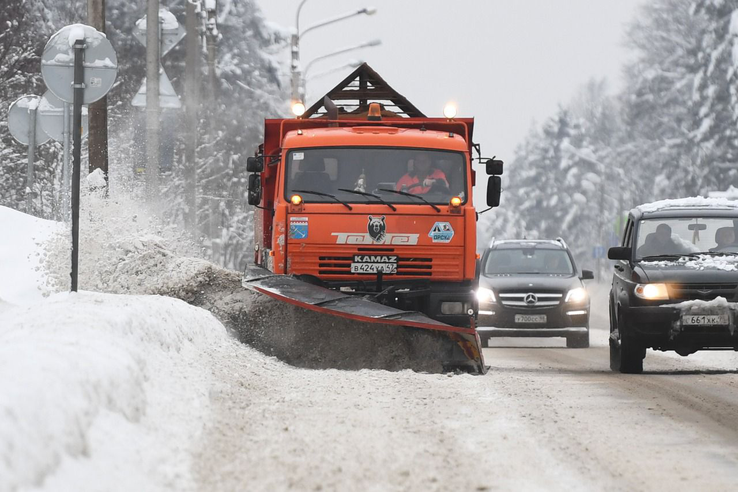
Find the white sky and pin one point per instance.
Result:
(505, 62)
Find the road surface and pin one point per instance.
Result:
(544, 417)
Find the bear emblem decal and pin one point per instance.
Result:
(377, 228)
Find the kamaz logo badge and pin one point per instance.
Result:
(375, 259)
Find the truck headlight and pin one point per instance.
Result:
(485, 295)
(652, 292)
(576, 295)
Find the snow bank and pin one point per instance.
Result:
(21, 273)
(697, 201)
(105, 390)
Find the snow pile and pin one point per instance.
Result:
(21, 274)
(104, 389)
(125, 250)
(697, 201)
(728, 263)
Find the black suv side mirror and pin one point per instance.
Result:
(494, 167)
(255, 164)
(587, 275)
(620, 253)
(494, 190)
(254, 193)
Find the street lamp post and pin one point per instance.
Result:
(296, 79)
(366, 44)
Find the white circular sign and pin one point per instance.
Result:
(19, 120)
(100, 63)
(51, 115)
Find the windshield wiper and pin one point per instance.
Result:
(362, 193)
(319, 193)
(405, 193)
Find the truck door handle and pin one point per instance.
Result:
(619, 268)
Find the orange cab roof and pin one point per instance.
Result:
(374, 136)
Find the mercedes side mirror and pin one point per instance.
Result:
(620, 253)
(494, 190)
(494, 167)
(587, 275)
(254, 193)
(255, 164)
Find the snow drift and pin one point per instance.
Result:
(103, 389)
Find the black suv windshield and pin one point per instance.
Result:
(434, 175)
(526, 261)
(675, 236)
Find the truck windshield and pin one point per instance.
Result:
(435, 175)
(676, 236)
(526, 261)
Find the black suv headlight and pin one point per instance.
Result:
(576, 296)
(652, 292)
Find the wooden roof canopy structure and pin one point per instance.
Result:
(354, 93)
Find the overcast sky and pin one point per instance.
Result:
(505, 62)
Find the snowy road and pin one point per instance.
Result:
(544, 417)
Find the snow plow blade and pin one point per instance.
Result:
(321, 328)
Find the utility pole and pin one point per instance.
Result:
(192, 102)
(152, 99)
(211, 38)
(98, 111)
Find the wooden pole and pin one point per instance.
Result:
(152, 99)
(97, 140)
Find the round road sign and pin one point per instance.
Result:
(19, 120)
(100, 63)
(51, 115)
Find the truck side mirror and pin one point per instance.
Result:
(254, 193)
(255, 164)
(494, 190)
(494, 167)
(620, 253)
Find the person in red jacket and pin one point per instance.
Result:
(423, 176)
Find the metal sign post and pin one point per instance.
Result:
(89, 76)
(55, 119)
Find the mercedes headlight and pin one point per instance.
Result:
(577, 295)
(485, 295)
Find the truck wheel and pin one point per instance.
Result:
(578, 341)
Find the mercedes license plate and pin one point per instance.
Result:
(530, 318)
(705, 319)
(374, 264)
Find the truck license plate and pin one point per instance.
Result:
(374, 264)
(530, 318)
(705, 319)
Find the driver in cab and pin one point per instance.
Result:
(422, 177)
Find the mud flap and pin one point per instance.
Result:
(424, 343)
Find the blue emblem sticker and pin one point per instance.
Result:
(298, 228)
(441, 232)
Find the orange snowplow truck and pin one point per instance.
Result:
(375, 207)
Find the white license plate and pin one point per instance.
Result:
(373, 267)
(705, 319)
(530, 318)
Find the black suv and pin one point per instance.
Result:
(675, 283)
(532, 289)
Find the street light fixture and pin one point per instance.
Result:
(295, 67)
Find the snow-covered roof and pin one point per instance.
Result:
(691, 202)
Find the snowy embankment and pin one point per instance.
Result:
(103, 389)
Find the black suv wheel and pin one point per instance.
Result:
(626, 355)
